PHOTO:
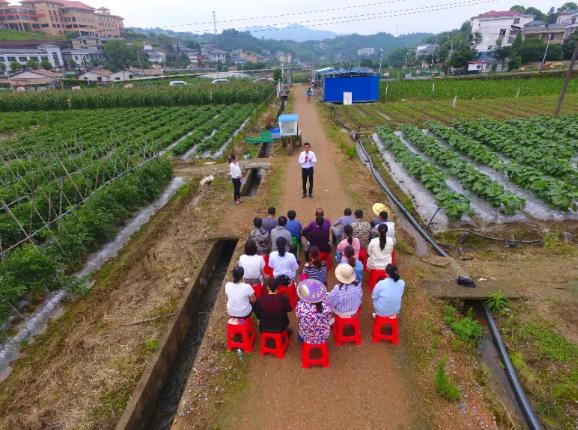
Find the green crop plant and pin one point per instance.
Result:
(496, 302)
(443, 384)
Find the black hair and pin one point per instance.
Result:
(347, 212)
(319, 220)
(315, 256)
(271, 211)
(281, 243)
(258, 222)
(238, 273)
(349, 253)
(348, 230)
(358, 213)
(291, 215)
(282, 221)
(383, 215)
(382, 230)
(392, 272)
(319, 307)
(250, 247)
(273, 284)
(232, 157)
(307, 144)
(319, 211)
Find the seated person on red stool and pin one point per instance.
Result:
(349, 258)
(348, 241)
(379, 250)
(318, 235)
(252, 264)
(282, 261)
(272, 309)
(261, 237)
(315, 268)
(345, 298)
(313, 312)
(240, 296)
(388, 293)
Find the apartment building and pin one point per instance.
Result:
(58, 17)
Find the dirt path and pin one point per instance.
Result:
(362, 388)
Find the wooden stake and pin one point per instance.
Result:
(566, 81)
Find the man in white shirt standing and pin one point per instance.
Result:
(307, 160)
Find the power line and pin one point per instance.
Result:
(282, 15)
(357, 18)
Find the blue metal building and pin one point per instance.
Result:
(362, 83)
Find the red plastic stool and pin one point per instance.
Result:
(258, 289)
(379, 323)
(393, 257)
(325, 256)
(307, 361)
(363, 257)
(290, 292)
(280, 341)
(375, 275)
(339, 330)
(247, 332)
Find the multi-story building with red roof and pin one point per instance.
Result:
(59, 17)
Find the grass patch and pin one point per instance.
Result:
(554, 244)
(151, 345)
(466, 328)
(547, 364)
(443, 384)
(496, 302)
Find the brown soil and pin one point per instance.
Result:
(369, 386)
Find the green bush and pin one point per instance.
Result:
(466, 328)
(443, 384)
(496, 302)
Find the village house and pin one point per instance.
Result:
(498, 28)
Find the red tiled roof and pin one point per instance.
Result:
(500, 14)
(75, 4)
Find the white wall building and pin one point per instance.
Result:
(365, 52)
(51, 53)
(498, 25)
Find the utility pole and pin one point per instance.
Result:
(215, 23)
(546, 51)
(566, 81)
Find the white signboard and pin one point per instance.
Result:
(288, 128)
(347, 98)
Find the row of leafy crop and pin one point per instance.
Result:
(215, 130)
(504, 140)
(96, 144)
(197, 94)
(472, 89)
(431, 177)
(34, 268)
(554, 192)
(480, 184)
(41, 194)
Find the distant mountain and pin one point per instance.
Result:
(296, 33)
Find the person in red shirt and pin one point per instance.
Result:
(272, 310)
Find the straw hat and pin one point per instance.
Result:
(345, 274)
(311, 291)
(378, 208)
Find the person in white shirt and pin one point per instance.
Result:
(282, 261)
(252, 263)
(236, 175)
(380, 250)
(307, 159)
(239, 296)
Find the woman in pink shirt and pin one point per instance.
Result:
(348, 241)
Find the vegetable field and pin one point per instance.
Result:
(472, 88)
(195, 94)
(520, 168)
(416, 112)
(71, 177)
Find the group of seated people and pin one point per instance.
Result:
(271, 260)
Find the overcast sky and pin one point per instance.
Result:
(174, 13)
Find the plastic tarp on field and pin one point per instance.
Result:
(264, 137)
